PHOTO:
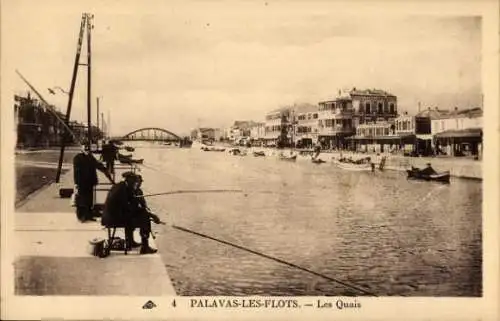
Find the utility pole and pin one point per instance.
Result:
(89, 74)
(102, 125)
(97, 103)
(70, 95)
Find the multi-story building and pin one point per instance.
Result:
(339, 118)
(372, 105)
(278, 131)
(258, 133)
(335, 121)
(305, 125)
(376, 137)
(37, 126)
(210, 135)
(458, 132)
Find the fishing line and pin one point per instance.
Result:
(193, 191)
(275, 259)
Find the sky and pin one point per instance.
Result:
(179, 65)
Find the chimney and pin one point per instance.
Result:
(456, 108)
(353, 88)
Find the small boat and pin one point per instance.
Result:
(259, 154)
(317, 161)
(356, 167)
(288, 158)
(417, 173)
(129, 149)
(212, 149)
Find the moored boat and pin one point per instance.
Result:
(317, 161)
(292, 158)
(259, 154)
(356, 167)
(422, 174)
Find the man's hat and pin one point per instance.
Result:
(129, 175)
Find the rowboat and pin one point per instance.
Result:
(288, 158)
(416, 173)
(259, 154)
(317, 161)
(212, 149)
(356, 167)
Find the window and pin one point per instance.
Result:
(315, 116)
(367, 108)
(391, 107)
(361, 108)
(380, 111)
(442, 125)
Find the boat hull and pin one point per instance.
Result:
(443, 177)
(355, 167)
(289, 158)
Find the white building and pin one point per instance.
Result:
(459, 132)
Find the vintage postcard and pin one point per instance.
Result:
(255, 159)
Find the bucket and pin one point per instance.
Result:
(65, 192)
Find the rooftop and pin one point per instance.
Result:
(460, 113)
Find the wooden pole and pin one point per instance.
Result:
(89, 83)
(70, 97)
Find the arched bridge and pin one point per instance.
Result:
(152, 134)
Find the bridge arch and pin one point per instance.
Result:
(147, 130)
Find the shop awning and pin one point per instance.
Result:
(464, 133)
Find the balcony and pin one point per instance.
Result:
(339, 129)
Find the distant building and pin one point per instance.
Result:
(335, 122)
(258, 133)
(204, 134)
(340, 118)
(305, 122)
(379, 137)
(371, 105)
(278, 128)
(458, 132)
(37, 126)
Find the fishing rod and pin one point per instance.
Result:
(354, 287)
(193, 191)
(49, 107)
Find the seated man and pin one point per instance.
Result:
(428, 170)
(123, 208)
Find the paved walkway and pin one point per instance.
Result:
(53, 258)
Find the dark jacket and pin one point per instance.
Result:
(109, 152)
(85, 168)
(119, 205)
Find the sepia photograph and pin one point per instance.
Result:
(258, 149)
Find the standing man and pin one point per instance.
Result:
(85, 168)
(109, 154)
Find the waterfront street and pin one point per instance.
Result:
(377, 230)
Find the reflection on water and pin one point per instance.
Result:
(375, 230)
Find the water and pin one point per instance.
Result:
(377, 231)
